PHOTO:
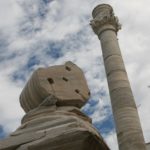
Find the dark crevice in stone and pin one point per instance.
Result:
(65, 79)
(77, 91)
(68, 68)
(50, 80)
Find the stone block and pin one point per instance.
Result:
(114, 63)
(122, 97)
(65, 128)
(64, 82)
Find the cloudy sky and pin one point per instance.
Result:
(40, 33)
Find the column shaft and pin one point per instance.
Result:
(129, 132)
(128, 127)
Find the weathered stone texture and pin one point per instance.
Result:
(147, 146)
(66, 82)
(55, 128)
(52, 98)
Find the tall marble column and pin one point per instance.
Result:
(129, 132)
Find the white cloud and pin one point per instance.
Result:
(111, 140)
(10, 110)
(10, 12)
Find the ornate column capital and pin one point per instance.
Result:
(104, 19)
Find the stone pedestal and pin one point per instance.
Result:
(55, 128)
(52, 98)
(129, 132)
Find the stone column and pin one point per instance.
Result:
(128, 128)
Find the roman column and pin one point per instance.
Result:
(128, 128)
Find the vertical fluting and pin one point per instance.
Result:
(128, 128)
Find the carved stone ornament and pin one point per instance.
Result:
(104, 15)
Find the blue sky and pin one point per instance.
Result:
(41, 33)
